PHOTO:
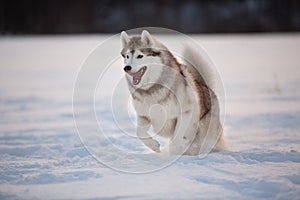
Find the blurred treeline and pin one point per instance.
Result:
(107, 16)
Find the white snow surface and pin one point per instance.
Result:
(42, 157)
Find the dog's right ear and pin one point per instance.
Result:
(147, 38)
(124, 38)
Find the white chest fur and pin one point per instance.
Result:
(163, 108)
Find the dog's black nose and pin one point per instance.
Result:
(127, 68)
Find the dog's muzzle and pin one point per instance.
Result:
(136, 76)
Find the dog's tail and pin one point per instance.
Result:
(200, 65)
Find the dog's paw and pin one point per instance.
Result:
(152, 144)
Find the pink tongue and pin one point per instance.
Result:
(136, 79)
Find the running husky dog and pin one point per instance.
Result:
(175, 99)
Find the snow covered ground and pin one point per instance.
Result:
(42, 157)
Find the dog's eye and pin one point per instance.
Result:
(127, 56)
(140, 56)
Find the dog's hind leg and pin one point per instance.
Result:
(185, 131)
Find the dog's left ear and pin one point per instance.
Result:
(124, 38)
(147, 38)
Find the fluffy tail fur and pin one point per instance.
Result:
(200, 66)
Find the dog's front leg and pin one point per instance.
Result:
(142, 133)
(184, 134)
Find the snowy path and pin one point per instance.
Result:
(41, 155)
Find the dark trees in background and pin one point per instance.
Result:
(190, 16)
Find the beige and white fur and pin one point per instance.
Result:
(175, 99)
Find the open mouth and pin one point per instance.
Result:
(137, 76)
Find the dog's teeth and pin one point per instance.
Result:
(135, 81)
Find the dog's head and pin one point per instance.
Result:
(142, 59)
